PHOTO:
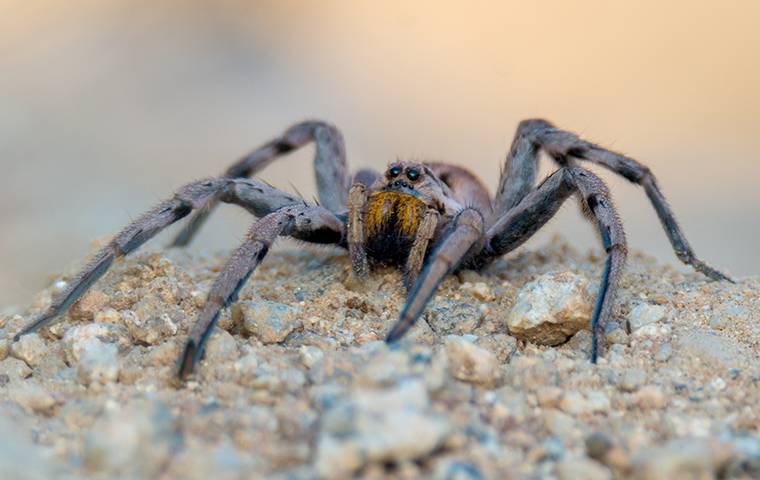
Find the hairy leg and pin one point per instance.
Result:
(254, 195)
(299, 221)
(563, 146)
(330, 168)
(467, 230)
(357, 202)
(521, 222)
(416, 258)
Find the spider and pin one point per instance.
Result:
(429, 219)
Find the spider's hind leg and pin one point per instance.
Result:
(564, 146)
(330, 169)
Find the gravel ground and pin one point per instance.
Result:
(494, 381)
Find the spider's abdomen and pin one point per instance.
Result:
(391, 223)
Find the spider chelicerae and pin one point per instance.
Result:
(427, 218)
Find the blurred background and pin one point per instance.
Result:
(106, 107)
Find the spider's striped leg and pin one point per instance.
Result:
(563, 147)
(467, 230)
(330, 169)
(518, 224)
(256, 196)
(305, 222)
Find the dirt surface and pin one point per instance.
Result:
(296, 382)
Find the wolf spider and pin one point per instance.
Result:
(429, 219)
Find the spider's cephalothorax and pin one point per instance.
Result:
(396, 208)
(428, 218)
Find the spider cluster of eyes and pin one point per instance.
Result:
(412, 174)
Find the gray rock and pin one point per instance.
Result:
(270, 322)
(551, 308)
(393, 424)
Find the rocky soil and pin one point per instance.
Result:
(494, 381)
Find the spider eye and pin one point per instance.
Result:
(413, 174)
(394, 171)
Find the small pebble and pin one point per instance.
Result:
(574, 403)
(644, 314)
(551, 309)
(151, 321)
(650, 397)
(310, 355)
(479, 290)
(598, 444)
(632, 380)
(98, 364)
(30, 348)
(597, 401)
(616, 335)
(85, 308)
(470, 363)
(664, 352)
(34, 398)
(270, 322)
(15, 369)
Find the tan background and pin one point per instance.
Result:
(105, 107)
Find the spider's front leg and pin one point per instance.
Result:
(466, 232)
(422, 238)
(519, 223)
(129, 239)
(357, 203)
(305, 222)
